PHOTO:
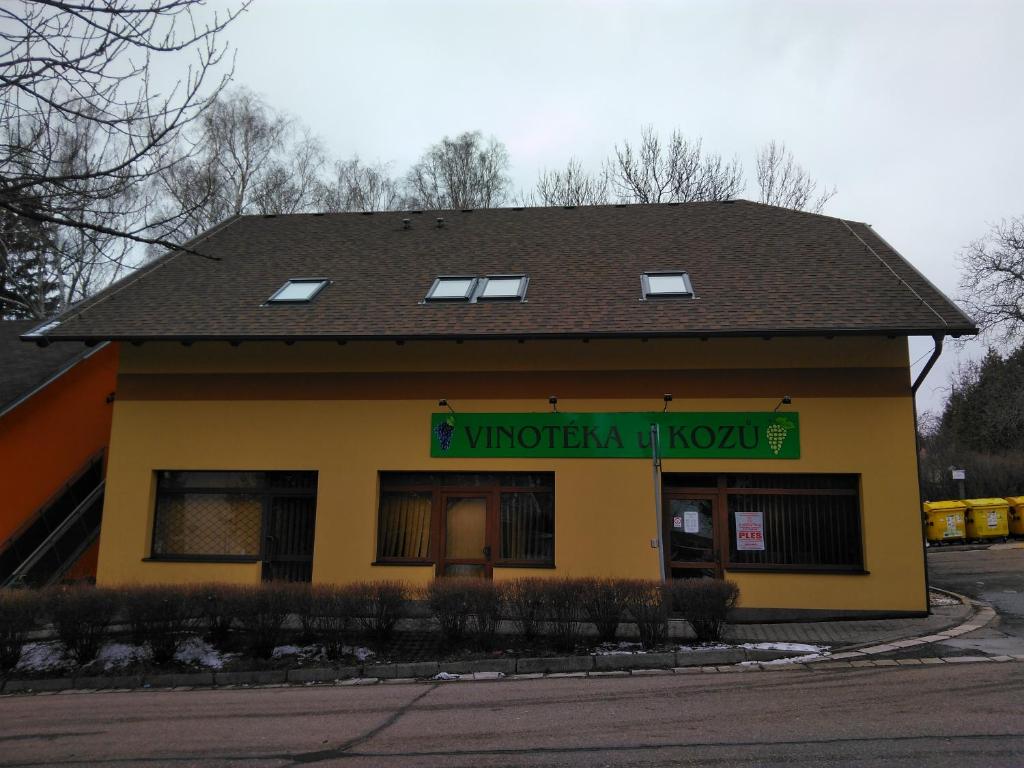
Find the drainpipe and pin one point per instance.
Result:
(658, 523)
(917, 458)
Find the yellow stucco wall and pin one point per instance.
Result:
(604, 508)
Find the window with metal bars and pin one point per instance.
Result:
(810, 521)
(223, 515)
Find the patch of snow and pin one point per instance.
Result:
(114, 655)
(446, 676)
(792, 659)
(40, 657)
(286, 650)
(621, 648)
(941, 599)
(801, 647)
(362, 654)
(705, 647)
(197, 651)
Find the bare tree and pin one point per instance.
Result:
(992, 280)
(784, 182)
(676, 171)
(468, 171)
(571, 186)
(240, 157)
(46, 266)
(65, 64)
(359, 187)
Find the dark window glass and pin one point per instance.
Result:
(674, 480)
(800, 530)
(211, 514)
(794, 482)
(528, 526)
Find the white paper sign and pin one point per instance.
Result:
(749, 531)
(993, 519)
(677, 522)
(691, 521)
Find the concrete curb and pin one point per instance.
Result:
(477, 669)
(982, 615)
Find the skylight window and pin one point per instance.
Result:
(297, 291)
(451, 289)
(503, 287)
(666, 284)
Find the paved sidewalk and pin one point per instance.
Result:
(844, 635)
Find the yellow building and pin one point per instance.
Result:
(717, 389)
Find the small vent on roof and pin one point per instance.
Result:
(406, 224)
(440, 223)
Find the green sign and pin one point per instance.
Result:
(615, 435)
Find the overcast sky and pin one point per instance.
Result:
(913, 110)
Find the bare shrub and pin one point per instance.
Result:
(160, 616)
(81, 616)
(262, 612)
(218, 605)
(303, 606)
(705, 604)
(332, 610)
(524, 602)
(379, 606)
(449, 602)
(603, 602)
(485, 606)
(647, 603)
(561, 607)
(18, 612)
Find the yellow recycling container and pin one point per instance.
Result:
(1016, 514)
(987, 518)
(944, 521)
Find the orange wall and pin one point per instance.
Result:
(49, 437)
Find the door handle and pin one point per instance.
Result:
(487, 552)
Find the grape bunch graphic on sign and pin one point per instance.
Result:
(777, 431)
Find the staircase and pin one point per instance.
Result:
(49, 543)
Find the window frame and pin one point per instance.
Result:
(721, 492)
(520, 295)
(265, 492)
(432, 291)
(645, 284)
(432, 483)
(323, 282)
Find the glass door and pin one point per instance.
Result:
(466, 548)
(692, 547)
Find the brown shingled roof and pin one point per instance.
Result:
(24, 368)
(756, 270)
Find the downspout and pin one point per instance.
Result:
(917, 457)
(659, 542)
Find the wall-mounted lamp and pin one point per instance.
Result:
(554, 403)
(667, 397)
(442, 403)
(786, 400)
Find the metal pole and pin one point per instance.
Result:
(658, 523)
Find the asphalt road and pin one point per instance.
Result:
(956, 715)
(995, 576)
